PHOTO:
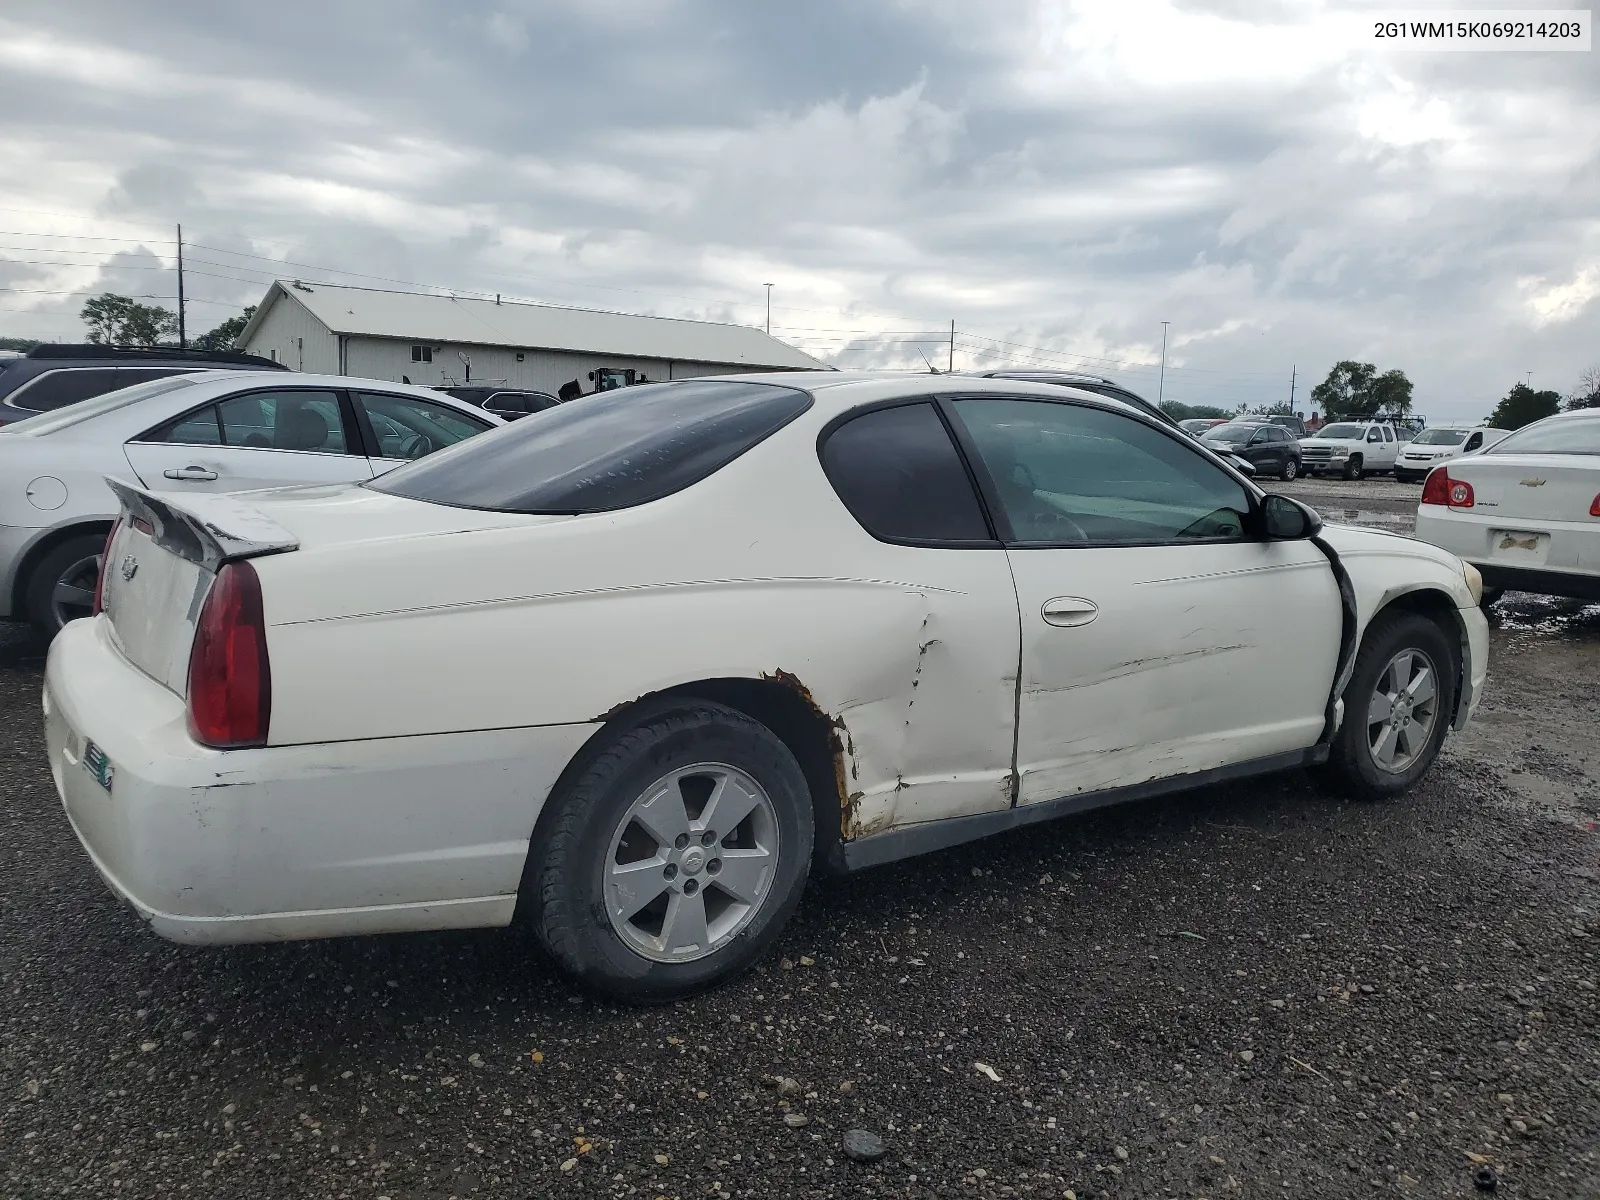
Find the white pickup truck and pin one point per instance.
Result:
(1352, 448)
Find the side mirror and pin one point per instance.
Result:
(1287, 520)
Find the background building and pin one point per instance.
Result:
(446, 339)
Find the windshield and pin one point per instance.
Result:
(1567, 435)
(1236, 435)
(605, 451)
(1440, 437)
(1346, 433)
(74, 414)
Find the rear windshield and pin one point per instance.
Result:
(605, 451)
(50, 422)
(1235, 434)
(1575, 435)
(1441, 437)
(1343, 433)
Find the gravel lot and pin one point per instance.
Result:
(1254, 990)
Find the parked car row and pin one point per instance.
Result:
(629, 669)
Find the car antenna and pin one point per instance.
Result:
(932, 370)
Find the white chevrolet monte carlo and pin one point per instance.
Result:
(629, 669)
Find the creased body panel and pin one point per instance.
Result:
(555, 620)
(1198, 657)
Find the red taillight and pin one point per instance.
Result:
(230, 680)
(1436, 488)
(100, 575)
(1594, 508)
(1439, 488)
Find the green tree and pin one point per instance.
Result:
(224, 335)
(22, 344)
(1180, 411)
(1522, 406)
(1355, 390)
(115, 320)
(1587, 393)
(1279, 408)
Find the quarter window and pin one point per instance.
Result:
(196, 429)
(1068, 475)
(900, 475)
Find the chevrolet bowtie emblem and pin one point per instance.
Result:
(130, 567)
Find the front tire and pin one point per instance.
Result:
(1353, 469)
(1398, 706)
(61, 587)
(673, 857)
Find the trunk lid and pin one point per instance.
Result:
(1531, 488)
(164, 554)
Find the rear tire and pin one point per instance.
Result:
(625, 833)
(61, 586)
(1290, 470)
(1391, 734)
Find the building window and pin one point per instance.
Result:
(519, 355)
(274, 355)
(422, 354)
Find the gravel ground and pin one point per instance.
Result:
(1253, 990)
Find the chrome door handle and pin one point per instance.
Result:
(196, 474)
(1068, 611)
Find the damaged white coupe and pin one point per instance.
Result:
(628, 671)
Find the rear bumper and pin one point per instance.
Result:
(1564, 562)
(289, 842)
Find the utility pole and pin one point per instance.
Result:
(183, 340)
(1292, 371)
(1161, 388)
(769, 309)
(952, 362)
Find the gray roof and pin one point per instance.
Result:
(370, 312)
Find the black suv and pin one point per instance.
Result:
(53, 376)
(508, 403)
(1108, 387)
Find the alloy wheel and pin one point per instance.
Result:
(73, 595)
(1403, 710)
(691, 863)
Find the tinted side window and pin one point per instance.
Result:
(1070, 475)
(195, 429)
(407, 427)
(1388, 434)
(899, 474)
(509, 402)
(1473, 443)
(289, 420)
(58, 388)
(605, 451)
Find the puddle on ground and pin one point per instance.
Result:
(1366, 516)
(1548, 616)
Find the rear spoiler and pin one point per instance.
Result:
(208, 528)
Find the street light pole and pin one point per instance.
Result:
(769, 309)
(1161, 389)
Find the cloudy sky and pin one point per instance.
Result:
(1056, 177)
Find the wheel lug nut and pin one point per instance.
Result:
(714, 866)
(690, 887)
(708, 838)
(670, 871)
(680, 841)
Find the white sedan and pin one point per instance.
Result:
(628, 668)
(206, 431)
(1526, 511)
